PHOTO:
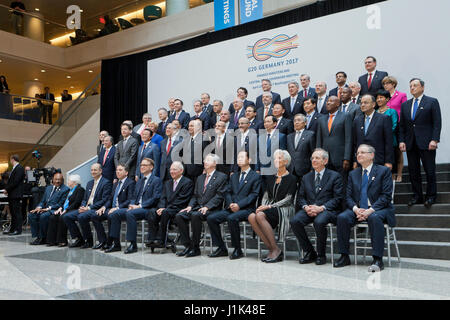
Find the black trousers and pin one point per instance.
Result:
(47, 110)
(182, 221)
(15, 208)
(156, 222)
(57, 230)
(428, 158)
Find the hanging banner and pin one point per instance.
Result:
(223, 14)
(251, 10)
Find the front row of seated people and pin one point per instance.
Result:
(216, 198)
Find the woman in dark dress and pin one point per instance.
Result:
(278, 199)
(3, 85)
(57, 229)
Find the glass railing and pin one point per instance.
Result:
(104, 22)
(37, 110)
(70, 121)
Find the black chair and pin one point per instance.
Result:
(124, 24)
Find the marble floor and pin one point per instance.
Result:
(40, 272)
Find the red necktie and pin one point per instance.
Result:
(206, 183)
(354, 100)
(306, 93)
(169, 145)
(106, 156)
(369, 83)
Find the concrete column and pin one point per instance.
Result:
(30, 88)
(176, 6)
(34, 27)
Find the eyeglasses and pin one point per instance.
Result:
(362, 152)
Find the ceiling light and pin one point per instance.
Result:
(37, 9)
(42, 70)
(90, 71)
(81, 10)
(68, 77)
(36, 79)
(1, 61)
(71, 87)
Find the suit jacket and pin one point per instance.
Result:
(376, 83)
(246, 104)
(330, 195)
(193, 155)
(213, 120)
(379, 136)
(51, 96)
(323, 110)
(260, 113)
(125, 195)
(379, 190)
(75, 199)
(334, 92)
(56, 200)
(338, 142)
(278, 141)
(256, 124)
(241, 115)
(425, 127)
(204, 117)
(214, 193)
(127, 156)
(15, 184)
(314, 122)
(352, 109)
(134, 135)
(162, 128)
(301, 156)
(184, 118)
(178, 199)
(153, 152)
(150, 195)
(245, 194)
(102, 193)
(166, 159)
(276, 98)
(285, 126)
(109, 168)
(298, 106)
(311, 93)
(100, 148)
(208, 110)
(227, 144)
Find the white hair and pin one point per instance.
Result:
(214, 157)
(285, 154)
(356, 84)
(178, 165)
(75, 178)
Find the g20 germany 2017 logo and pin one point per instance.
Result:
(277, 47)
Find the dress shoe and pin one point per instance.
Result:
(42, 242)
(193, 253)
(99, 246)
(376, 266)
(77, 243)
(220, 252)
(237, 253)
(87, 244)
(105, 246)
(6, 231)
(155, 244)
(309, 257)
(414, 201)
(114, 247)
(132, 248)
(15, 233)
(51, 244)
(343, 261)
(277, 259)
(35, 242)
(321, 260)
(429, 202)
(184, 252)
(149, 243)
(62, 245)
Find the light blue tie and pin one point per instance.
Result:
(116, 195)
(416, 106)
(308, 120)
(366, 125)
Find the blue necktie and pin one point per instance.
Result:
(364, 201)
(416, 106)
(241, 181)
(141, 192)
(116, 195)
(308, 120)
(366, 125)
(269, 145)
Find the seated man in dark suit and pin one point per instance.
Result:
(266, 86)
(369, 196)
(122, 193)
(53, 199)
(240, 201)
(97, 193)
(374, 129)
(106, 158)
(320, 199)
(201, 115)
(294, 103)
(371, 81)
(209, 193)
(300, 145)
(146, 196)
(177, 193)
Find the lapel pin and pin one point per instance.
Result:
(362, 128)
(421, 108)
(373, 178)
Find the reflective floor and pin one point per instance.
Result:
(40, 272)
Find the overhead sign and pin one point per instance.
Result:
(223, 14)
(251, 10)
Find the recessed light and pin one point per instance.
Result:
(42, 70)
(71, 87)
(36, 79)
(81, 10)
(90, 71)
(1, 61)
(68, 77)
(37, 9)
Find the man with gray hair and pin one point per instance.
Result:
(101, 136)
(319, 200)
(215, 115)
(294, 103)
(266, 108)
(266, 86)
(164, 117)
(322, 97)
(146, 119)
(307, 91)
(356, 89)
(209, 193)
(239, 112)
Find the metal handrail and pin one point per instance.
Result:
(32, 15)
(63, 118)
(31, 98)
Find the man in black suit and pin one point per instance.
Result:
(300, 145)
(341, 80)
(215, 115)
(242, 94)
(334, 134)
(356, 90)
(164, 117)
(209, 193)
(48, 105)
(106, 159)
(171, 105)
(312, 116)
(223, 141)
(168, 145)
(14, 191)
(245, 140)
(206, 107)
(284, 125)
(180, 114)
(65, 96)
(250, 114)
(320, 199)
(100, 146)
(126, 150)
(267, 87)
(201, 115)
(419, 135)
(371, 81)
(347, 106)
(268, 143)
(294, 103)
(240, 201)
(193, 146)
(307, 91)
(322, 98)
(266, 107)
(368, 198)
(239, 112)
(374, 129)
(175, 196)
